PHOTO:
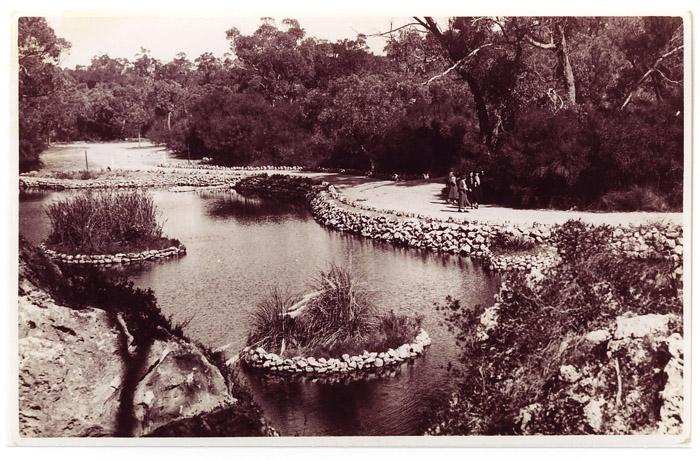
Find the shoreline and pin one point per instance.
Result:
(467, 239)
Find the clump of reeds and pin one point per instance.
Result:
(105, 222)
(270, 324)
(506, 243)
(338, 318)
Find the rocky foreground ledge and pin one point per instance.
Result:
(83, 373)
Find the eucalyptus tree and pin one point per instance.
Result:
(40, 81)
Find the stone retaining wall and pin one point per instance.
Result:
(119, 258)
(474, 238)
(470, 239)
(258, 358)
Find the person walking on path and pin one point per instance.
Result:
(471, 185)
(477, 189)
(453, 193)
(463, 203)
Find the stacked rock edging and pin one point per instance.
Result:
(548, 257)
(259, 359)
(151, 179)
(119, 258)
(467, 239)
(651, 241)
(228, 168)
(474, 238)
(464, 237)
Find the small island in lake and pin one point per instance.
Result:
(296, 335)
(107, 227)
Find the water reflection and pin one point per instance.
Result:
(241, 247)
(250, 208)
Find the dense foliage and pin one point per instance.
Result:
(540, 327)
(336, 318)
(557, 111)
(106, 222)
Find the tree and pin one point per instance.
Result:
(39, 51)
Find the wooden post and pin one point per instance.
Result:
(86, 162)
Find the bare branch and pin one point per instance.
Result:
(458, 63)
(673, 82)
(396, 29)
(652, 69)
(538, 44)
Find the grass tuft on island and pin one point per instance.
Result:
(106, 222)
(337, 317)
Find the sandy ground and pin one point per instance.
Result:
(424, 198)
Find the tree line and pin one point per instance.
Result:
(558, 111)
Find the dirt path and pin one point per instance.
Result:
(424, 198)
(139, 162)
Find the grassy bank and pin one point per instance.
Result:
(555, 355)
(336, 318)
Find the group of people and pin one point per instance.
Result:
(464, 191)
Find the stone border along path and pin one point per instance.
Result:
(258, 358)
(111, 259)
(472, 238)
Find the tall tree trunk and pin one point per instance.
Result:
(567, 71)
(485, 129)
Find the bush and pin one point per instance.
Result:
(635, 199)
(105, 222)
(337, 318)
(84, 174)
(540, 327)
(508, 243)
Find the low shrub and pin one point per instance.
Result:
(277, 185)
(106, 222)
(635, 199)
(540, 327)
(337, 318)
(84, 174)
(507, 243)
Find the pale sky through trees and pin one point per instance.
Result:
(167, 36)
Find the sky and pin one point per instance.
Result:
(123, 37)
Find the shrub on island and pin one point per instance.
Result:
(336, 319)
(106, 222)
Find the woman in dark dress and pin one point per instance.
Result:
(463, 200)
(471, 184)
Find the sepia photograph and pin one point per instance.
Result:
(423, 229)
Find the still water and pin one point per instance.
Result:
(239, 248)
